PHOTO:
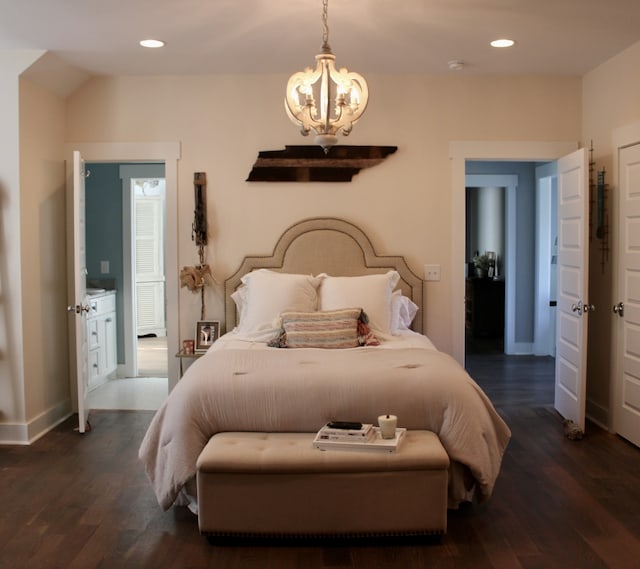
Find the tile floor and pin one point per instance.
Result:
(143, 393)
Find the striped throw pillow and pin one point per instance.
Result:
(330, 329)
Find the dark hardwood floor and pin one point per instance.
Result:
(72, 501)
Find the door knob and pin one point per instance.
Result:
(78, 308)
(582, 307)
(619, 309)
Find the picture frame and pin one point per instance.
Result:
(207, 332)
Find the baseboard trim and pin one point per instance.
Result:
(29, 432)
(597, 413)
(519, 349)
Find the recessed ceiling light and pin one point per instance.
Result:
(502, 43)
(152, 43)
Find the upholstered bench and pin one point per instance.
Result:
(278, 484)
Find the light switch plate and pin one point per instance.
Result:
(104, 267)
(432, 272)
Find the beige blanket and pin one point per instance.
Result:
(273, 390)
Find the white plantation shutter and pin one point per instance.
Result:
(150, 281)
(149, 239)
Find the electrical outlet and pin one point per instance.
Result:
(104, 267)
(432, 272)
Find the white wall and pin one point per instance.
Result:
(404, 204)
(610, 96)
(29, 394)
(43, 257)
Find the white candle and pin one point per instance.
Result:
(387, 424)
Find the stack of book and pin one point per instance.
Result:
(346, 433)
(366, 437)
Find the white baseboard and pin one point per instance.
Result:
(519, 349)
(29, 432)
(597, 413)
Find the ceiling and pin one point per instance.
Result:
(281, 36)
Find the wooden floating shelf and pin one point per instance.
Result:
(311, 164)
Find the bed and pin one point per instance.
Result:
(324, 267)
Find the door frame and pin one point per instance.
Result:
(627, 135)
(459, 153)
(544, 325)
(170, 154)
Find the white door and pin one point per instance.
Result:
(627, 402)
(80, 302)
(572, 286)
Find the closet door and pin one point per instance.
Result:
(627, 307)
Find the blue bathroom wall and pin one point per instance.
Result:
(103, 233)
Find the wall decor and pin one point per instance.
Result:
(602, 220)
(598, 214)
(196, 277)
(312, 164)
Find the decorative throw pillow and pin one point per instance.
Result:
(346, 328)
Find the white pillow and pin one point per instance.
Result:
(372, 293)
(268, 293)
(239, 297)
(403, 311)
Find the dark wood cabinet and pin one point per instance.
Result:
(484, 305)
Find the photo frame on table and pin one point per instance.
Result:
(207, 332)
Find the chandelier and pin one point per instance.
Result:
(325, 99)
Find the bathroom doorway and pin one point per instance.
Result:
(126, 232)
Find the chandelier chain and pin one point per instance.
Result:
(325, 25)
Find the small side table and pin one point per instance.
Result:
(194, 356)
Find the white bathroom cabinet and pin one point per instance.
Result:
(101, 338)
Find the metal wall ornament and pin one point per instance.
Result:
(598, 211)
(326, 100)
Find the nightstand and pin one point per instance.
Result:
(193, 356)
(484, 300)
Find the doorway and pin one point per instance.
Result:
(157, 152)
(485, 281)
(125, 212)
(460, 152)
(144, 278)
(504, 217)
(510, 218)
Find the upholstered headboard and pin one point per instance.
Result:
(326, 245)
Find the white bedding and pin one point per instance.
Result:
(242, 385)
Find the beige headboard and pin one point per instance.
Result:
(326, 245)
